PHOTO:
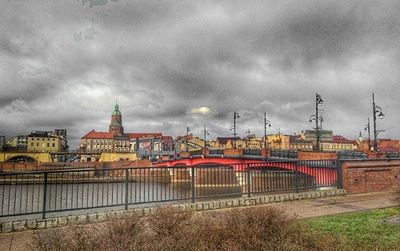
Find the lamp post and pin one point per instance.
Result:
(317, 119)
(187, 138)
(235, 117)
(368, 129)
(206, 133)
(376, 110)
(266, 123)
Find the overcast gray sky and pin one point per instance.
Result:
(172, 64)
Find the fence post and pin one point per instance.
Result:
(339, 175)
(248, 181)
(44, 195)
(126, 188)
(192, 184)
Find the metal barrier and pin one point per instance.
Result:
(252, 152)
(216, 151)
(352, 155)
(284, 154)
(66, 190)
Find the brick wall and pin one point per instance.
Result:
(316, 155)
(18, 167)
(233, 152)
(370, 176)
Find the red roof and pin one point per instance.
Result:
(143, 135)
(108, 135)
(98, 135)
(340, 139)
(389, 149)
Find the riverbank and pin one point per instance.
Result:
(306, 208)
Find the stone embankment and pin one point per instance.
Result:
(33, 224)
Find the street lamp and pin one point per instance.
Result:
(266, 123)
(206, 133)
(317, 118)
(187, 138)
(235, 117)
(376, 110)
(368, 129)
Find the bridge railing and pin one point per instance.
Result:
(53, 192)
(216, 151)
(252, 152)
(284, 154)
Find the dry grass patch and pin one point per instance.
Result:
(258, 228)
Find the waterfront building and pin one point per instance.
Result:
(338, 144)
(279, 141)
(46, 141)
(252, 142)
(17, 143)
(324, 135)
(115, 140)
(296, 143)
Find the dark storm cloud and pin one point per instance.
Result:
(172, 64)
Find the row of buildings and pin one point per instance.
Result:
(116, 140)
(38, 141)
(145, 144)
(150, 144)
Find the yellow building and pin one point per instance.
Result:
(298, 143)
(338, 144)
(38, 142)
(279, 141)
(254, 143)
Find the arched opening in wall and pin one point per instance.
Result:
(21, 159)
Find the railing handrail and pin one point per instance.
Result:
(172, 167)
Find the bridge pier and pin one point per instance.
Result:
(150, 175)
(217, 181)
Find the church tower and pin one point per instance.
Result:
(116, 127)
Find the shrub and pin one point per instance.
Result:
(258, 228)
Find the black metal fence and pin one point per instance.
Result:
(58, 191)
(216, 151)
(284, 154)
(352, 155)
(252, 152)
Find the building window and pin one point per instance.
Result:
(54, 144)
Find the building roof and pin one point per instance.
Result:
(389, 149)
(98, 135)
(143, 135)
(108, 135)
(224, 140)
(340, 139)
(116, 110)
(294, 138)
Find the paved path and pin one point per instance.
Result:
(302, 209)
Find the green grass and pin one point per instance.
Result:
(362, 230)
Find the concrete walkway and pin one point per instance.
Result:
(301, 208)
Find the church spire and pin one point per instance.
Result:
(116, 109)
(116, 127)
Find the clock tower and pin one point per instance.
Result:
(116, 127)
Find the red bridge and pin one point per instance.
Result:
(324, 171)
